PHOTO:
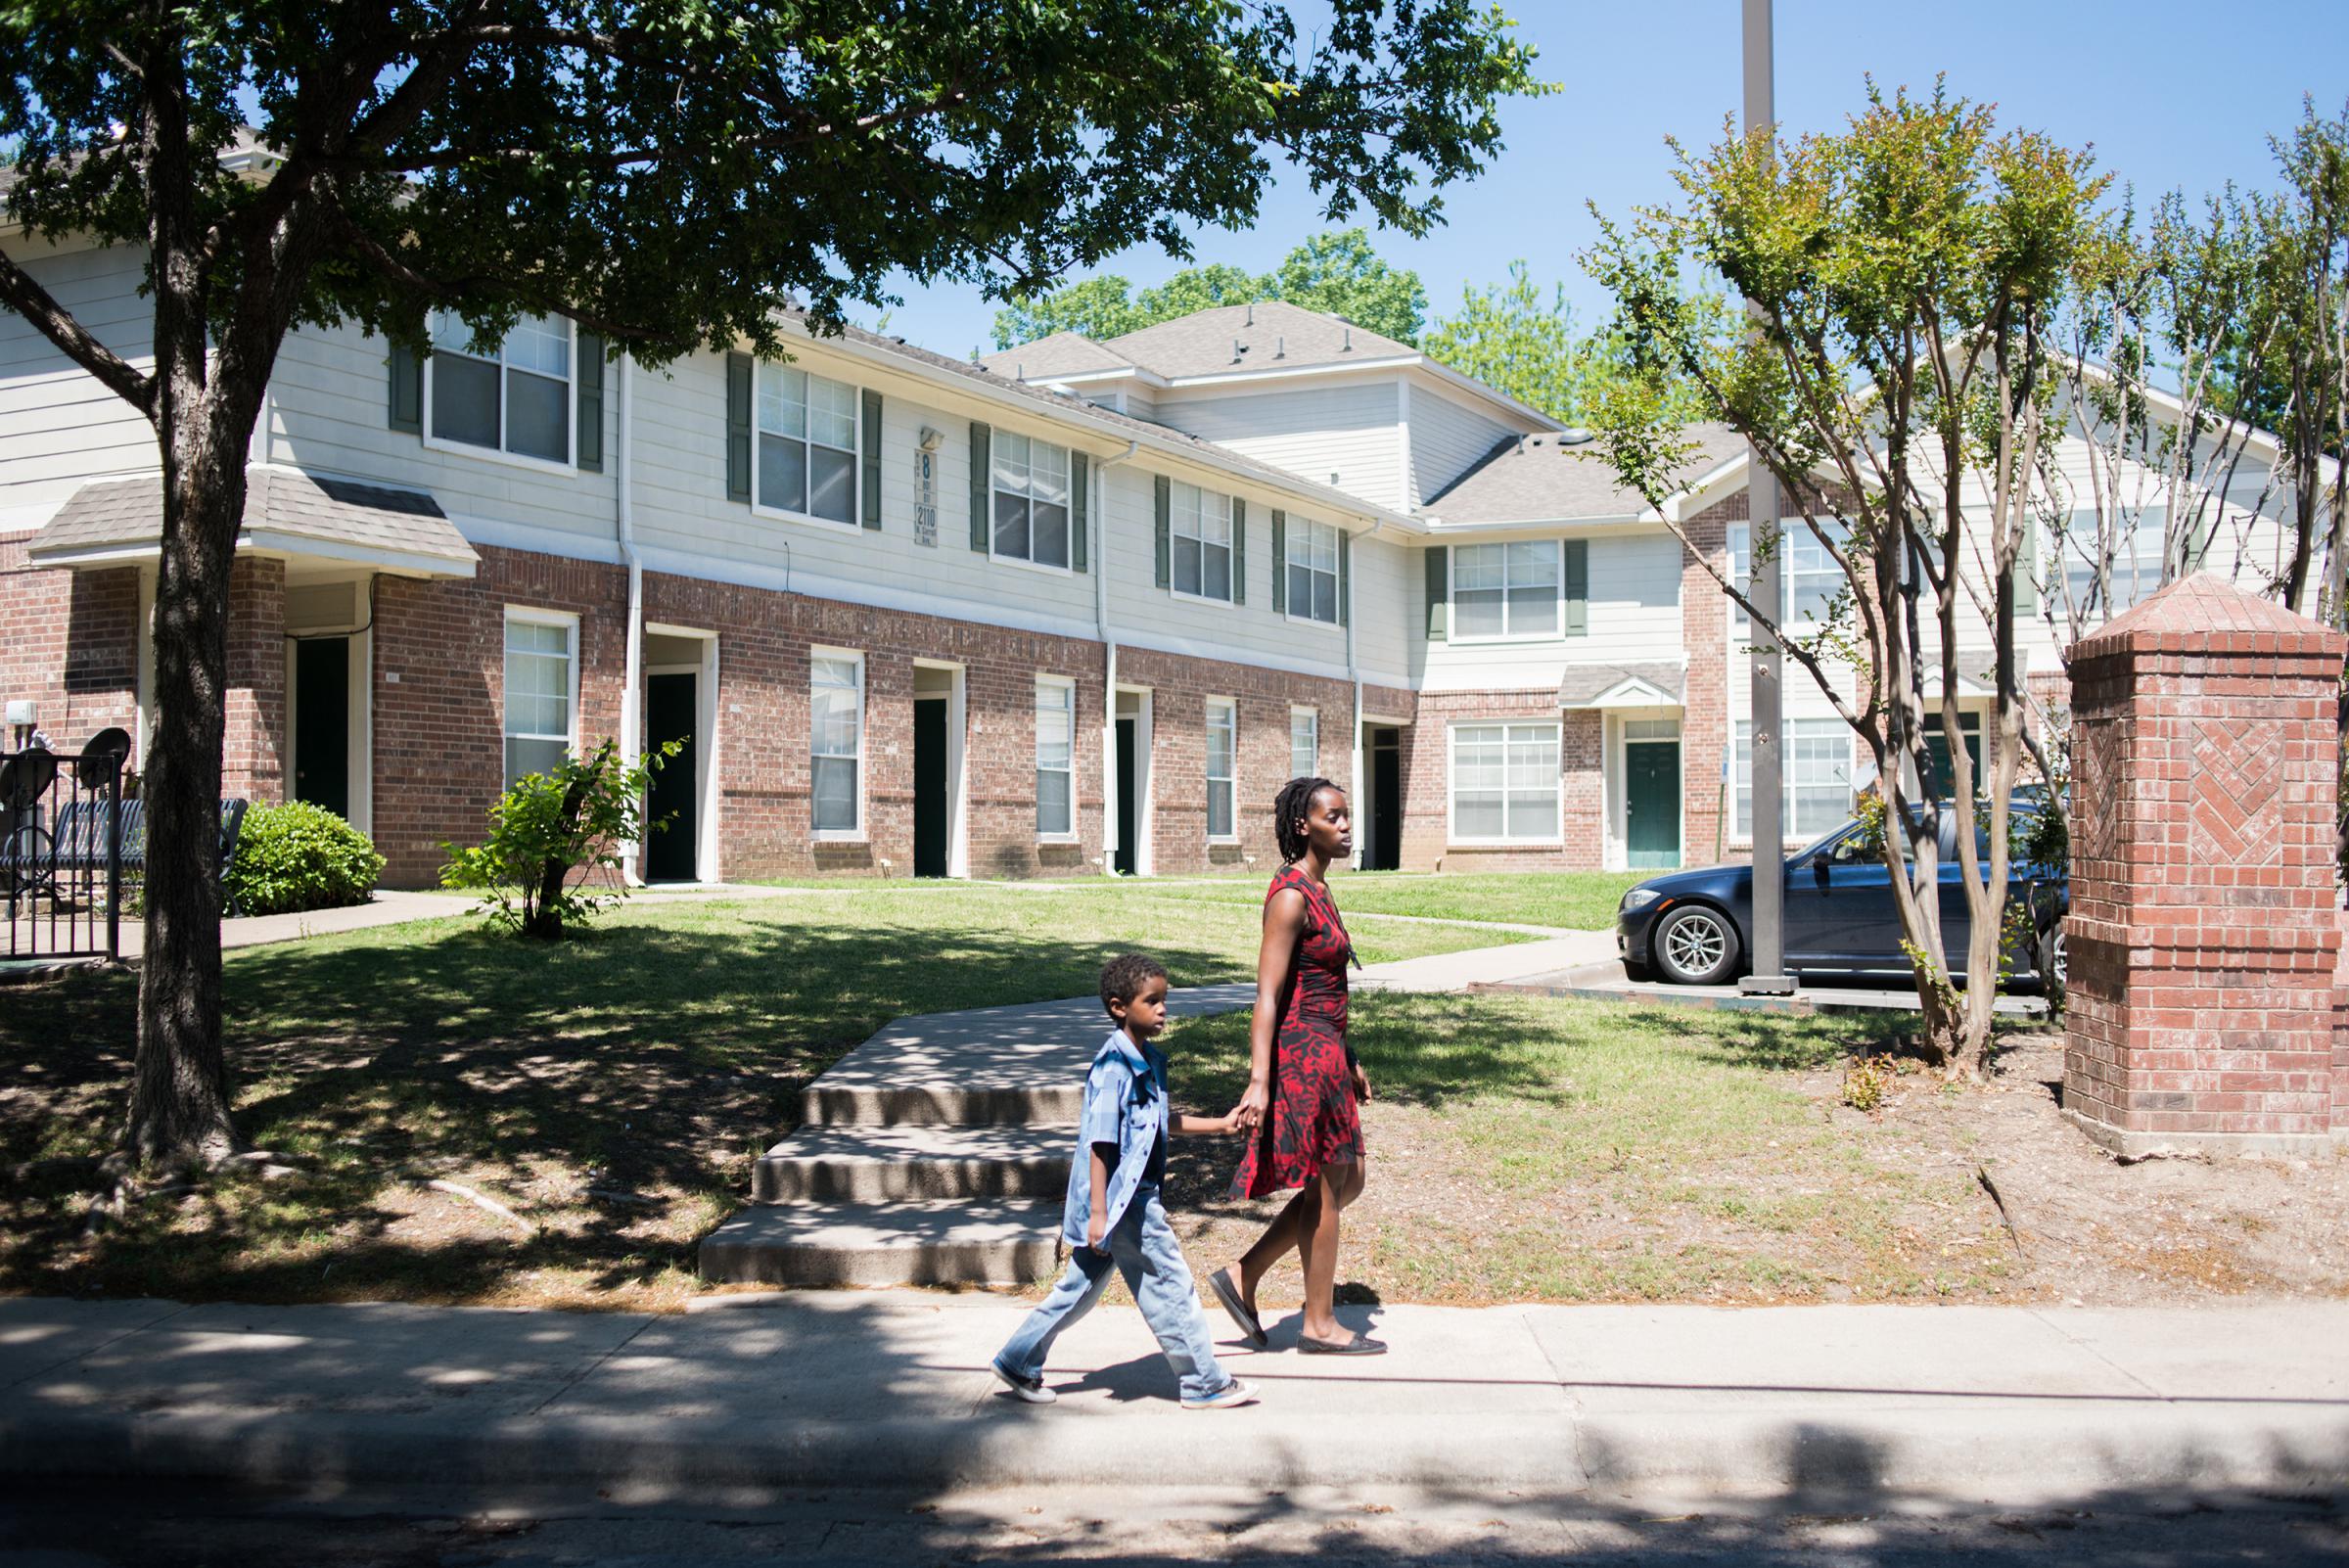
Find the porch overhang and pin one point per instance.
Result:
(1598, 687)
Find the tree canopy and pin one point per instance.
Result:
(1338, 272)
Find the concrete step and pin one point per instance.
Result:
(945, 1102)
(1002, 1242)
(889, 1164)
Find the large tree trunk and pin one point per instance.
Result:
(179, 1104)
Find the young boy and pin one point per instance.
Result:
(1114, 1216)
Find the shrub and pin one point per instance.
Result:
(299, 856)
(548, 833)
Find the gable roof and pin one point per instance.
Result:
(1562, 478)
(1268, 335)
(1063, 354)
(285, 509)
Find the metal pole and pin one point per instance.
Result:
(113, 862)
(1769, 957)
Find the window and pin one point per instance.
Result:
(1312, 550)
(1031, 486)
(1504, 783)
(2138, 545)
(1815, 777)
(516, 398)
(1223, 749)
(1505, 590)
(1809, 580)
(539, 690)
(807, 457)
(835, 743)
(1055, 757)
(1304, 743)
(1200, 522)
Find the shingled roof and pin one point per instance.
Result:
(1553, 479)
(288, 504)
(1063, 354)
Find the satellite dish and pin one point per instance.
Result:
(94, 768)
(25, 777)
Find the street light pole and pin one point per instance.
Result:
(1766, 665)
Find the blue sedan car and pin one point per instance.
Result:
(1696, 928)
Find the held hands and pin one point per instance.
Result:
(1249, 1114)
(1361, 1082)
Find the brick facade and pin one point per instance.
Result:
(71, 646)
(2203, 933)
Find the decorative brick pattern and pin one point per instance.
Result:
(2204, 1006)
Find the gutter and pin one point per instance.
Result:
(1353, 672)
(624, 511)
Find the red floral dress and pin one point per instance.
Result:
(1313, 1121)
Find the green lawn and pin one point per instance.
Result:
(1578, 899)
(1555, 1149)
(613, 1088)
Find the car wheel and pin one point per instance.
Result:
(2052, 964)
(1696, 944)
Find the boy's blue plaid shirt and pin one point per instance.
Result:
(1125, 1106)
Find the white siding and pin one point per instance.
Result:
(1386, 592)
(1348, 430)
(1448, 439)
(58, 425)
(1635, 617)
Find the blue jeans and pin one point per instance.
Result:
(1144, 1250)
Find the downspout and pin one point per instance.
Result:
(1353, 672)
(1112, 828)
(631, 718)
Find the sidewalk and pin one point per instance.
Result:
(822, 1389)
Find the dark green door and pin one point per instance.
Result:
(322, 722)
(1651, 803)
(668, 716)
(1127, 861)
(930, 804)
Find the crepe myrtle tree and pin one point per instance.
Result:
(667, 173)
(1900, 276)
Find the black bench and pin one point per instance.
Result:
(76, 841)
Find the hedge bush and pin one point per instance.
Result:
(299, 856)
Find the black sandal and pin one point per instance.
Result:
(1228, 1293)
(1360, 1345)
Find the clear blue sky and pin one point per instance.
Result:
(2169, 93)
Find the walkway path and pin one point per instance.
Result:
(937, 1151)
(890, 1388)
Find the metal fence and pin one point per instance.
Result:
(65, 834)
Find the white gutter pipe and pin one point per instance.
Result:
(631, 702)
(1353, 672)
(1112, 828)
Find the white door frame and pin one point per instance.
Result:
(1616, 780)
(358, 714)
(706, 840)
(958, 838)
(1145, 797)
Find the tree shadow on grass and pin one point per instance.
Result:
(613, 1089)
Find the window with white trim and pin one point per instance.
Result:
(1503, 591)
(1504, 783)
(1222, 760)
(835, 743)
(1809, 580)
(541, 649)
(1817, 779)
(515, 399)
(1313, 551)
(1055, 757)
(807, 459)
(1030, 483)
(1200, 522)
(1304, 742)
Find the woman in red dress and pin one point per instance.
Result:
(1301, 1109)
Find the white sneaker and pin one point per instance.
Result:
(1028, 1391)
(1230, 1394)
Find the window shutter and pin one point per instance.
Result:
(872, 459)
(980, 488)
(1163, 498)
(738, 427)
(1578, 587)
(1438, 592)
(1280, 561)
(1345, 578)
(2026, 569)
(590, 436)
(1239, 551)
(1081, 471)
(407, 390)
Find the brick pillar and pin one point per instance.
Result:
(2203, 931)
(252, 762)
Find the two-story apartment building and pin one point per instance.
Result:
(1082, 606)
